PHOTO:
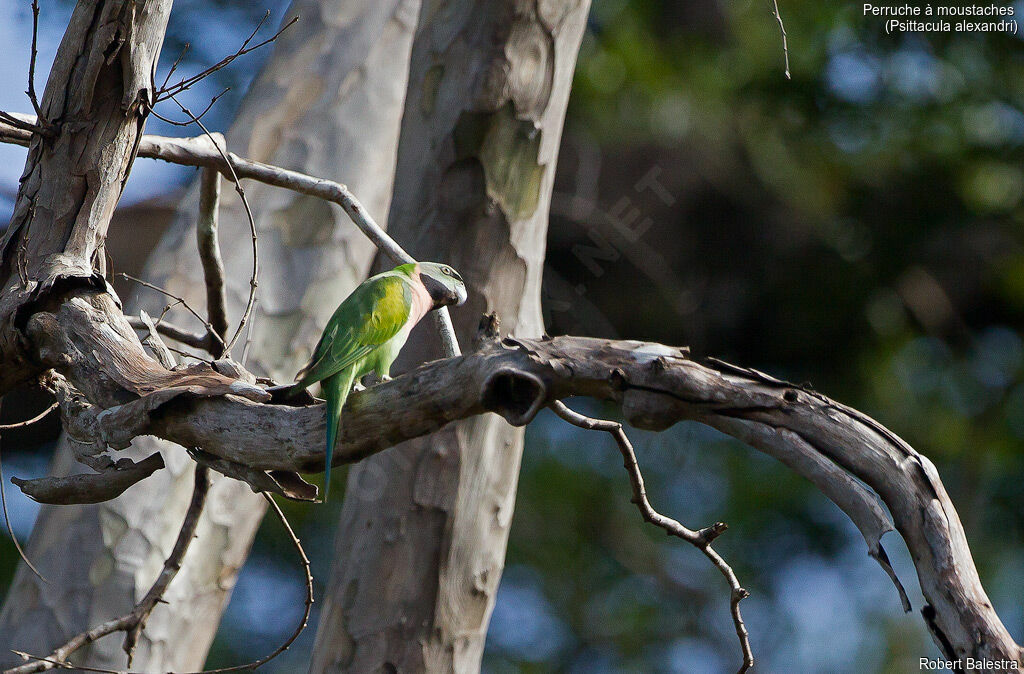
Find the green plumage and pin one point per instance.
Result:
(368, 330)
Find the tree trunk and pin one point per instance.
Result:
(421, 543)
(328, 102)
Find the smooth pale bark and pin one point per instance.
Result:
(421, 543)
(328, 102)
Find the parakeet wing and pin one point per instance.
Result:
(375, 312)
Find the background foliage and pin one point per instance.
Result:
(857, 227)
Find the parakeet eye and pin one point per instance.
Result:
(447, 271)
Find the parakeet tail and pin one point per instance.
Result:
(336, 389)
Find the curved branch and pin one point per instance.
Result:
(201, 151)
(656, 386)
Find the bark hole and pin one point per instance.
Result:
(514, 394)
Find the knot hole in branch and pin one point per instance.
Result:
(514, 394)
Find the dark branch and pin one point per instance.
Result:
(90, 487)
(209, 253)
(218, 143)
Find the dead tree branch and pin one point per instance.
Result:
(90, 487)
(56, 312)
(31, 92)
(656, 387)
(700, 539)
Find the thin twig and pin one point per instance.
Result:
(308, 604)
(188, 82)
(171, 331)
(21, 124)
(3, 495)
(32, 67)
(173, 563)
(190, 122)
(174, 66)
(249, 337)
(39, 417)
(65, 665)
(181, 301)
(193, 356)
(209, 252)
(700, 539)
(782, 29)
(132, 623)
(254, 279)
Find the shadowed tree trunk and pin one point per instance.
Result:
(421, 543)
(328, 102)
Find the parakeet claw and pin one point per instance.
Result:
(385, 377)
(358, 387)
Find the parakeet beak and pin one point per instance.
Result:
(461, 295)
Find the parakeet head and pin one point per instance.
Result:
(443, 283)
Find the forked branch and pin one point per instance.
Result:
(700, 539)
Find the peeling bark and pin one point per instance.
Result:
(421, 544)
(328, 102)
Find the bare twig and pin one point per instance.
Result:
(39, 417)
(308, 602)
(180, 300)
(64, 665)
(174, 66)
(700, 539)
(186, 354)
(132, 623)
(170, 92)
(782, 29)
(173, 563)
(20, 124)
(3, 495)
(248, 338)
(209, 252)
(190, 122)
(32, 67)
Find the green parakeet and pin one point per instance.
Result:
(368, 330)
